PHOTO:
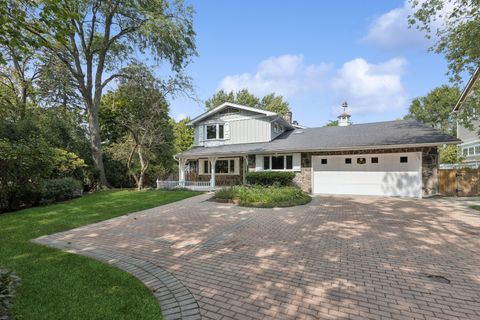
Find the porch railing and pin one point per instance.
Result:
(191, 185)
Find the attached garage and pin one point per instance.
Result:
(391, 174)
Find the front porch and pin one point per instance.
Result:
(208, 173)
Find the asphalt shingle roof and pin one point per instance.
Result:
(378, 134)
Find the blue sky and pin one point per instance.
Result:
(316, 54)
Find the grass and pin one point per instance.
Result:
(59, 285)
(265, 197)
(475, 208)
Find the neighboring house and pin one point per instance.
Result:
(470, 146)
(393, 158)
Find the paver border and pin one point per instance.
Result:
(175, 299)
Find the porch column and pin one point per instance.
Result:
(245, 169)
(213, 161)
(181, 171)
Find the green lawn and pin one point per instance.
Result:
(59, 285)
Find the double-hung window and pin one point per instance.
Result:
(215, 131)
(283, 162)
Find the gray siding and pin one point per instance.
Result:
(244, 127)
(467, 135)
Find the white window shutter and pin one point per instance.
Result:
(201, 166)
(226, 131)
(200, 133)
(259, 162)
(297, 161)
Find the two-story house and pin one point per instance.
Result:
(393, 158)
(470, 146)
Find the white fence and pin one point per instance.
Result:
(192, 185)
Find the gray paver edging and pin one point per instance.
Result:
(176, 301)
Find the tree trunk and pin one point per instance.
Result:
(143, 167)
(96, 145)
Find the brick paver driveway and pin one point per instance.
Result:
(338, 258)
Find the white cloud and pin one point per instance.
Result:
(371, 87)
(368, 87)
(390, 31)
(287, 75)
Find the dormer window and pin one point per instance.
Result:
(215, 131)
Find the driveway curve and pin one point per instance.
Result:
(335, 258)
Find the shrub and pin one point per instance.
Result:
(25, 161)
(270, 178)
(62, 189)
(225, 193)
(264, 196)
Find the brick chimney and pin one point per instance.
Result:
(288, 116)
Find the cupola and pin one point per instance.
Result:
(344, 117)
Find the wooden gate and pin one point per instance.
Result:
(463, 182)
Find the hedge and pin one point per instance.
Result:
(270, 178)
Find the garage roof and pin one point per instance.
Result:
(368, 135)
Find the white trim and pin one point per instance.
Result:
(284, 155)
(466, 91)
(229, 104)
(236, 167)
(217, 131)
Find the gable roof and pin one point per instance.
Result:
(229, 104)
(466, 91)
(358, 136)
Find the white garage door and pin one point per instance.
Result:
(394, 174)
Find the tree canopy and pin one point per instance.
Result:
(137, 113)
(455, 26)
(270, 102)
(93, 40)
(435, 109)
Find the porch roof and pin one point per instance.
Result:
(401, 133)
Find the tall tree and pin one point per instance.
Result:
(218, 98)
(183, 135)
(455, 26)
(17, 77)
(270, 102)
(139, 109)
(93, 38)
(332, 123)
(435, 109)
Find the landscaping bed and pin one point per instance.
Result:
(263, 196)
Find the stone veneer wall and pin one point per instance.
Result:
(303, 179)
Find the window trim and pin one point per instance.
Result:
(472, 146)
(217, 131)
(236, 165)
(269, 156)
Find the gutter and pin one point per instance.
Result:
(242, 153)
